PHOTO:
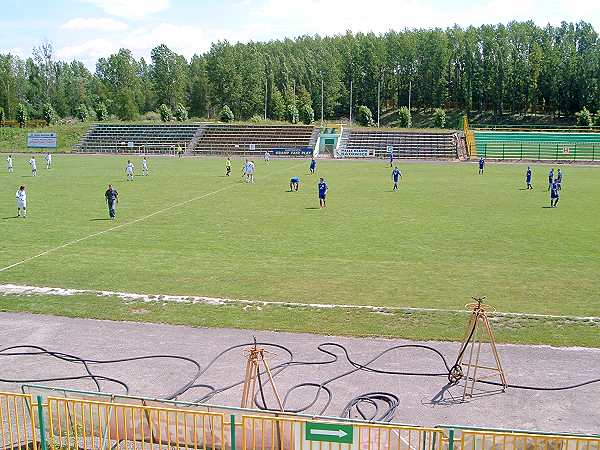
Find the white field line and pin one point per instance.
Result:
(14, 289)
(116, 227)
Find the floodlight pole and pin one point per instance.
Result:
(378, 100)
(265, 99)
(350, 102)
(409, 93)
(322, 97)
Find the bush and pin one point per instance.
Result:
(404, 117)
(49, 114)
(180, 113)
(2, 117)
(83, 113)
(292, 114)
(166, 115)
(151, 116)
(101, 111)
(364, 116)
(584, 118)
(226, 114)
(597, 118)
(307, 114)
(439, 118)
(256, 119)
(21, 115)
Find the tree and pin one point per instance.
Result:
(307, 114)
(21, 115)
(404, 118)
(180, 113)
(49, 114)
(364, 116)
(278, 109)
(101, 111)
(83, 113)
(166, 115)
(169, 74)
(584, 118)
(597, 123)
(226, 115)
(439, 118)
(1, 114)
(292, 114)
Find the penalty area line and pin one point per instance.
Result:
(116, 227)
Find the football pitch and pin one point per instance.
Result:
(448, 234)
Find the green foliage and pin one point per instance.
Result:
(169, 74)
(364, 116)
(127, 108)
(404, 118)
(278, 109)
(101, 111)
(584, 118)
(21, 115)
(49, 114)
(166, 115)
(256, 119)
(83, 112)
(597, 121)
(2, 116)
(180, 113)
(439, 118)
(307, 115)
(292, 114)
(226, 115)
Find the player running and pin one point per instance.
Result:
(554, 195)
(33, 165)
(528, 178)
(21, 196)
(294, 184)
(313, 165)
(550, 178)
(129, 170)
(9, 163)
(559, 178)
(391, 158)
(323, 188)
(228, 167)
(396, 175)
(112, 198)
(250, 172)
(48, 159)
(144, 167)
(481, 165)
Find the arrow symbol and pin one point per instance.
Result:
(338, 433)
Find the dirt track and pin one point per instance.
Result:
(575, 410)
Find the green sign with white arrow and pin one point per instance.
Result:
(329, 432)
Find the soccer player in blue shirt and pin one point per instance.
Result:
(313, 165)
(294, 184)
(481, 165)
(559, 179)
(322, 192)
(554, 195)
(396, 174)
(528, 178)
(550, 178)
(112, 198)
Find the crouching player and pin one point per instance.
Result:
(294, 183)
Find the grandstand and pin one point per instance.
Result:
(218, 139)
(371, 142)
(536, 145)
(138, 138)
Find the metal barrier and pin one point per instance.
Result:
(102, 424)
(84, 424)
(290, 433)
(489, 440)
(17, 424)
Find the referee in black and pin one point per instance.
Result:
(112, 198)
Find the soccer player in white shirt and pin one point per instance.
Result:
(21, 196)
(250, 171)
(144, 167)
(9, 163)
(33, 165)
(48, 160)
(267, 157)
(129, 170)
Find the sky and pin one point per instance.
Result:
(89, 29)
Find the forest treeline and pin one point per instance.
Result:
(514, 68)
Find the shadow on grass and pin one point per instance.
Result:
(103, 218)
(312, 207)
(547, 207)
(11, 217)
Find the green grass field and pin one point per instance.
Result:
(447, 235)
